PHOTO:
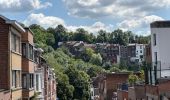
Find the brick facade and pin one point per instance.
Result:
(4, 55)
(108, 84)
(13, 64)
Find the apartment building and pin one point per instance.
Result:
(10, 58)
(136, 53)
(27, 65)
(18, 67)
(160, 34)
(111, 52)
(158, 72)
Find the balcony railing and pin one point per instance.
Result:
(155, 71)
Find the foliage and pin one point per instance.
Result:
(115, 68)
(73, 74)
(133, 78)
(142, 76)
(96, 59)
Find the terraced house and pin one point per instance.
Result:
(21, 72)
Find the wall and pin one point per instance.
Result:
(4, 62)
(162, 49)
(112, 80)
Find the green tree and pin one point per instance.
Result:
(96, 59)
(80, 81)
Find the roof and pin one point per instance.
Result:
(27, 28)
(13, 23)
(134, 44)
(160, 24)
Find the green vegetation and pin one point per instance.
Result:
(74, 73)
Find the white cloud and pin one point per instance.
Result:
(51, 21)
(94, 28)
(22, 5)
(45, 21)
(138, 23)
(114, 8)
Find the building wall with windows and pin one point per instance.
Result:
(27, 64)
(136, 53)
(160, 34)
(18, 66)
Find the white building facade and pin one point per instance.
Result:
(137, 52)
(160, 38)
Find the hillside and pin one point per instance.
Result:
(74, 73)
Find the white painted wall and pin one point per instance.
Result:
(140, 52)
(162, 48)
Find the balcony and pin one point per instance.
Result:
(155, 71)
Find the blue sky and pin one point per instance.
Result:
(93, 15)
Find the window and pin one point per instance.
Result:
(28, 81)
(140, 47)
(16, 78)
(24, 81)
(15, 43)
(140, 51)
(37, 83)
(31, 81)
(27, 51)
(141, 56)
(155, 54)
(24, 50)
(31, 52)
(154, 39)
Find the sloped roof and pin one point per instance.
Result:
(13, 23)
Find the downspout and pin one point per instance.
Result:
(10, 60)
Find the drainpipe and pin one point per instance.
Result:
(10, 59)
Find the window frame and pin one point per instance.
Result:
(154, 39)
(15, 42)
(16, 78)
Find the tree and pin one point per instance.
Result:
(60, 35)
(83, 35)
(93, 71)
(80, 81)
(96, 59)
(64, 89)
(102, 37)
(87, 54)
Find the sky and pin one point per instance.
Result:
(92, 15)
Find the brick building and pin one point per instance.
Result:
(111, 52)
(10, 58)
(108, 84)
(17, 63)
(27, 65)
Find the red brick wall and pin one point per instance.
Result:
(4, 66)
(112, 81)
(164, 87)
(150, 89)
(122, 95)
